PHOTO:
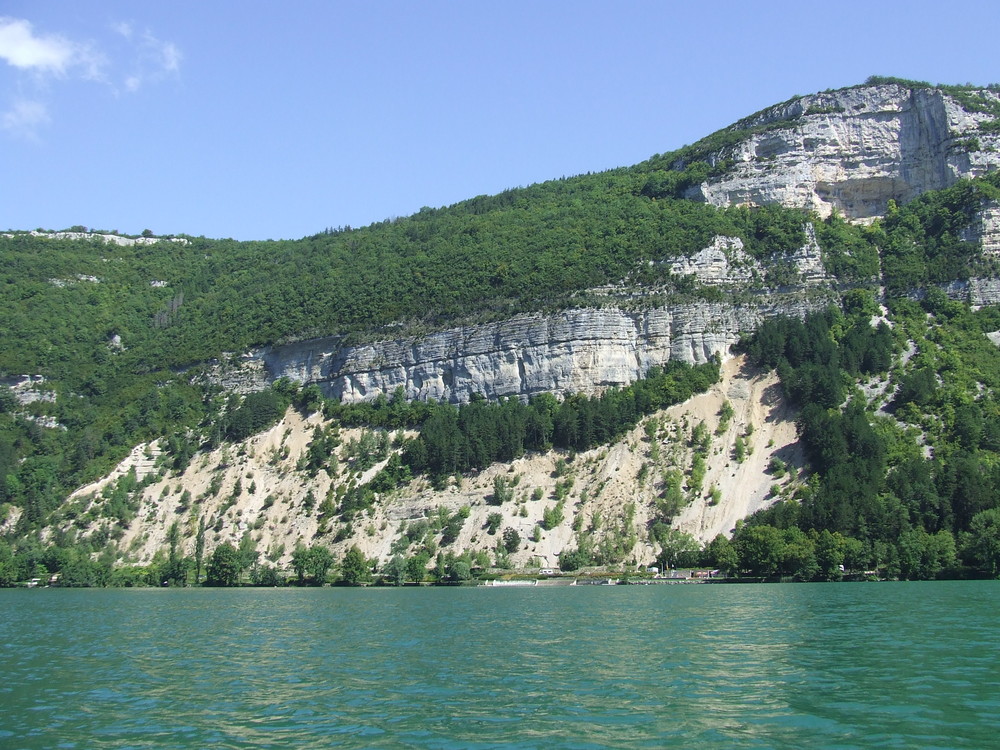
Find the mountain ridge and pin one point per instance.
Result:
(584, 284)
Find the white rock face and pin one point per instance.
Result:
(109, 239)
(724, 262)
(28, 389)
(986, 231)
(808, 260)
(580, 351)
(854, 150)
(982, 292)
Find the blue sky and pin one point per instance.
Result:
(266, 120)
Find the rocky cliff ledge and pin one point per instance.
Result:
(108, 239)
(581, 351)
(853, 150)
(725, 263)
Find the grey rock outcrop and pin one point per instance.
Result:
(853, 150)
(581, 351)
(977, 292)
(726, 263)
(108, 239)
(985, 231)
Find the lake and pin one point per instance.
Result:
(698, 666)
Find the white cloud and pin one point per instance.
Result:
(157, 59)
(21, 47)
(152, 58)
(170, 56)
(41, 58)
(123, 28)
(25, 118)
(51, 54)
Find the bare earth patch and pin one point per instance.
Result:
(258, 487)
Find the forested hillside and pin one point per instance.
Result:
(899, 415)
(901, 427)
(110, 328)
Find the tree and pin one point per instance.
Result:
(248, 553)
(830, 551)
(8, 566)
(452, 527)
(224, 566)
(721, 553)
(983, 544)
(798, 557)
(672, 497)
(460, 570)
(174, 572)
(300, 561)
(416, 566)
(77, 573)
(173, 539)
(258, 410)
(493, 521)
(395, 571)
(923, 556)
(759, 549)
(502, 491)
(310, 399)
(573, 559)
(267, 575)
(199, 549)
(511, 539)
(355, 569)
(677, 548)
(552, 517)
(319, 562)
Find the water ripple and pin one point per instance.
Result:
(898, 665)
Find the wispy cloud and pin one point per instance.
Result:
(154, 58)
(122, 27)
(25, 118)
(170, 56)
(43, 57)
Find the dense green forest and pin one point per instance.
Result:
(119, 333)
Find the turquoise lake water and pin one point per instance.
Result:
(892, 665)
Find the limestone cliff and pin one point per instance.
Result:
(725, 263)
(579, 351)
(985, 232)
(853, 150)
(106, 238)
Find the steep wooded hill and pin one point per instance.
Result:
(558, 304)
